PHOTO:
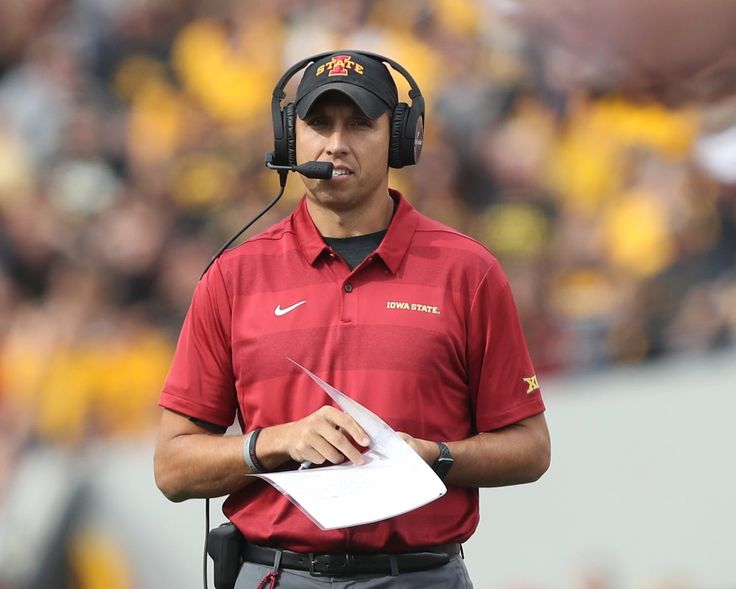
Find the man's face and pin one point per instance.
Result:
(335, 130)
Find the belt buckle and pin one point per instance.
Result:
(331, 568)
(313, 572)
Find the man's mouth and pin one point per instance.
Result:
(337, 172)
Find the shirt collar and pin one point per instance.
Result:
(400, 232)
(392, 249)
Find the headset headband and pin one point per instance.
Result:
(278, 92)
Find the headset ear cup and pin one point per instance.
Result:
(290, 132)
(398, 120)
(413, 144)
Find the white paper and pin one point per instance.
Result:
(394, 480)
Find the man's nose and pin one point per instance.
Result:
(337, 141)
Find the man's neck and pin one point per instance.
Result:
(353, 222)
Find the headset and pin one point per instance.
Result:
(405, 144)
(407, 121)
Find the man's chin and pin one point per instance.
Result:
(334, 198)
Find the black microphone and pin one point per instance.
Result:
(314, 169)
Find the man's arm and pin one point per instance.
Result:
(191, 461)
(515, 454)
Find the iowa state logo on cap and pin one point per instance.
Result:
(340, 65)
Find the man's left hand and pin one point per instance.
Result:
(429, 451)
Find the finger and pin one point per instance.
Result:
(344, 445)
(338, 429)
(327, 451)
(316, 450)
(350, 427)
(409, 440)
(304, 450)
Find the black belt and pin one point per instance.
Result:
(336, 565)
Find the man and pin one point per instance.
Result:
(405, 315)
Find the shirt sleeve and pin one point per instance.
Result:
(502, 377)
(200, 382)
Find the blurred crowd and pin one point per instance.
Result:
(132, 141)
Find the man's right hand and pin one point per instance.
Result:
(191, 461)
(327, 435)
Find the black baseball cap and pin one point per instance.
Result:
(365, 80)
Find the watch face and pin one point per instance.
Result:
(444, 462)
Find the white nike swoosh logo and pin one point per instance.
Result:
(278, 311)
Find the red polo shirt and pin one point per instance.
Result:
(424, 333)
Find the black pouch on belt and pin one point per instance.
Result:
(225, 546)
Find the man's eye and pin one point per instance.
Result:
(317, 122)
(362, 122)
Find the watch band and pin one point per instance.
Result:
(444, 461)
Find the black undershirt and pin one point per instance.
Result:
(355, 249)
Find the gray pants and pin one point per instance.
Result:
(453, 575)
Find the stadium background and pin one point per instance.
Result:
(595, 158)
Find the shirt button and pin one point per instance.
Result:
(348, 287)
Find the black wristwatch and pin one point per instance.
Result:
(444, 461)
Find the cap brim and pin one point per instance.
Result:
(370, 105)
